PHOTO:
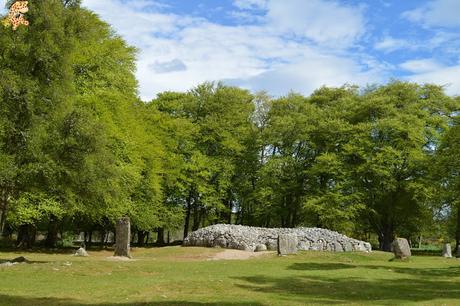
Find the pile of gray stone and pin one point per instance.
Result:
(259, 239)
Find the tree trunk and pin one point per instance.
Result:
(457, 232)
(26, 236)
(4, 211)
(196, 217)
(161, 236)
(52, 235)
(187, 216)
(90, 238)
(386, 237)
(141, 238)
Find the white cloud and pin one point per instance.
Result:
(310, 73)
(178, 52)
(390, 44)
(436, 13)
(446, 76)
(251, 4)
(324, 22)
(422, 66)
(2, 6)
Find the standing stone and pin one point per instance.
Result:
(123, 237)
(447, 250)
(401, 248)
(287, 244)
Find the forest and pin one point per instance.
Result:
(79, 148)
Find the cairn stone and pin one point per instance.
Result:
(287, 244)
(249, 238)
(81, 252)
(261, 248)
(447, 250)
(123, 237)
(401, 248)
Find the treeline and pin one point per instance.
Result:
(78, 149)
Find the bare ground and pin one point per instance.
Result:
(238, 255)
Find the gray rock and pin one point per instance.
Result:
(287, 244)
(348, 247)
(248, 238)
(447, 250)
(123, 238)
(81, 252)
(401, 248)
(220, 243)
(303, 246)
(272, 245)
(261, 248)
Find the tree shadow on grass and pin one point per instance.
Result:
(427, 285)
(42, 301)
(433, 272)
(311, 266)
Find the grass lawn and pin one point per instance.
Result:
(186, 276)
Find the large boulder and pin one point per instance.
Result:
(401, 248)
(252, 238)
(261, 248)
(287, 244)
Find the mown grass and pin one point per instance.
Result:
(186, 276)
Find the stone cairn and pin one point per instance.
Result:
(123, 237)
(259, 239)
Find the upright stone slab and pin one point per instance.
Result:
(401, 248)
(287, 244)
(123, 237)
(447, 250)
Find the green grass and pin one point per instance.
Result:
(184, 276)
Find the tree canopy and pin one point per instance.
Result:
(79, 149)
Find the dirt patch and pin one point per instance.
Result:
(238, 255)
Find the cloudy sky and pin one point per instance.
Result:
(284, 45)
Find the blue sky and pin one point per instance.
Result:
(284, 45)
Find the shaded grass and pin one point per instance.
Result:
(185, 276)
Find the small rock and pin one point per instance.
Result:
(401, 248)
(261, 248)
(81, 252)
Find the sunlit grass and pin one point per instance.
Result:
(181, 276)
